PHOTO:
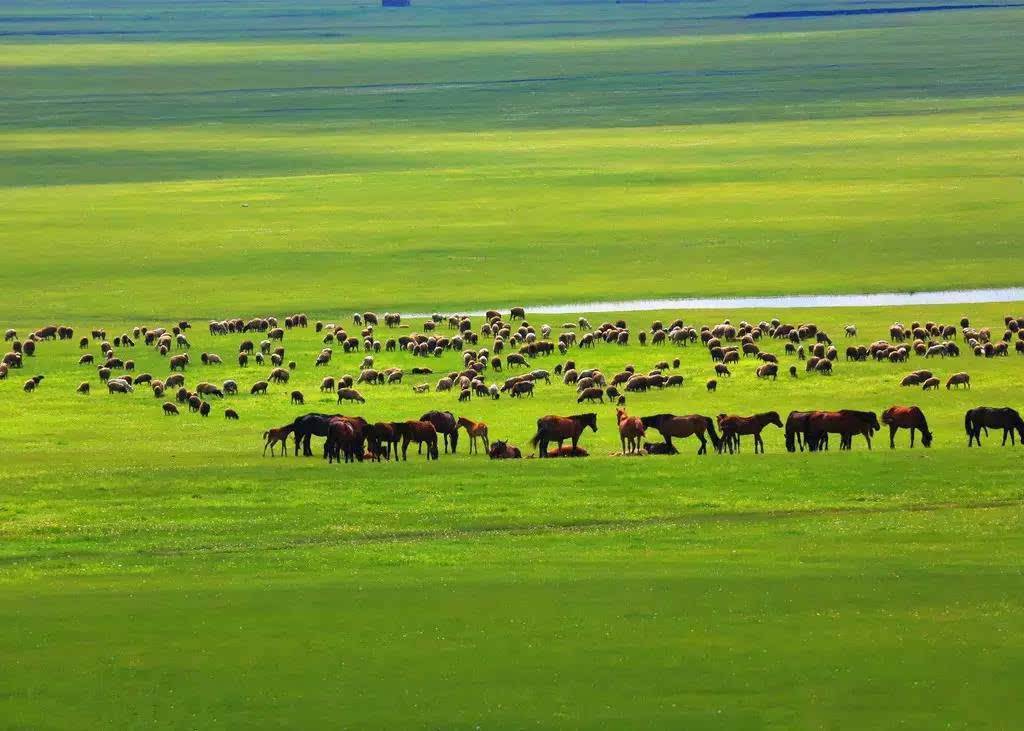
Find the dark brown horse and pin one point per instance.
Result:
(382, 440)
(796, 426)
(503, 450)
(421, 432)
(733, 427)
(340, 435)
(906, 417)
(697, 425)
(446, 425)
(846, 423)
(560, 428)
(985, 417)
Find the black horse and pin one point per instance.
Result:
(306, 427)
(988, 417)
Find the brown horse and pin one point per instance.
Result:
(631, 431)
(560, 428)
(697, 425)
(272, 437)
(733, 427)
(796, 426)
(446, 425)
(846, 423)
(503, 450)
(381, 440)
(906, 417)
(340, 438)
(475, 430)
(421, 432)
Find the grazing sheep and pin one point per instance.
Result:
(260, 387)
(231, 414)
(230, 387)
(350, 394)
(83, 387)
(86, 359)
(931, 384)
(593, 393)
(494, 392)
(445, 384)
(175, 380)
(117, 385)
(523, 388)
(957, 380)
(297, 398)
(712, 385)
(792, 371)
(466, 394)
(421, 388)
(32, 383)
(204, 408)
(170, 409)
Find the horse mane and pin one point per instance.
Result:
(654, 420)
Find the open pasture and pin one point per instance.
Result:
(206, 159)
(697, 571)
(629, 150)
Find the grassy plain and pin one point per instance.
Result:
(163, 562)
(166, 160)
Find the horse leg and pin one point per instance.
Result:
(758, 444)
(892, 436)
(703, 449)
(622, 438)
(306, 449)
(912, 430)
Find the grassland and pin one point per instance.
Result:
(165, 562)
(166, 160)
(430, 159)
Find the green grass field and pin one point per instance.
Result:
(163, 160)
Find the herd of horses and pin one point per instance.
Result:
(353, 438)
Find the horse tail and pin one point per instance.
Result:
(536, 437)
(967, 423)
(266, 434)
(715, 441)
(790, 435)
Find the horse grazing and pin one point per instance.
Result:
(503, 450)
(631, 431)
(475, 430)
(421, 432)
(986, 417)
(697, 425)
(846, 423)
(308, 426)
(272, 437)
(382, 440)
(733, 427)
(344, 437)
(906, 417)
(552, 428)
(796, 426)
(445, 424)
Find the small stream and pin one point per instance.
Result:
(879, 299)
